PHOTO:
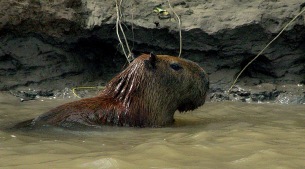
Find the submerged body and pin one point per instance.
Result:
(146, 94)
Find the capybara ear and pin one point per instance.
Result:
(153, 58)
(151, 62)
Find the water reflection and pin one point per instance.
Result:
(218, 135)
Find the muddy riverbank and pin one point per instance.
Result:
(53, 45)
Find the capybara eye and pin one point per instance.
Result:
(175, 66)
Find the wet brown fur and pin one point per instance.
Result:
(146, 94)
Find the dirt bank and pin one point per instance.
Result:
(50, 45)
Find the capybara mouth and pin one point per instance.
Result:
(187, 107)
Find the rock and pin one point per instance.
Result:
(271, 93)
(26, 95)
(65, 43)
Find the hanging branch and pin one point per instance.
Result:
(128, 56)
(179, 25)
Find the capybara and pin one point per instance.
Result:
(146, 94)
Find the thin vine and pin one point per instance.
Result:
(179, 25)
(289, 23)
(128, 56)
(85, 87)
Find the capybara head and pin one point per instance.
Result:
(146, 94)
(153, 87)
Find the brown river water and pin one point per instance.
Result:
(223, 135)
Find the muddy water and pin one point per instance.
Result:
(218, 135)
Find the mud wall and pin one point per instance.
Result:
(65, 43)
